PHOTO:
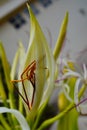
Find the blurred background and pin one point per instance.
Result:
(15, 23)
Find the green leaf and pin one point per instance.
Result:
(2, 90)
(6, 67)
(61, 37)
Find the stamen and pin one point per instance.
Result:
(18, 80)
(30, 75)
(76, 105)
(85, 99)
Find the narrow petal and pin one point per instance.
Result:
(76, 99)
(72, 74)
(14, 65)
(66, 87)
(85, 71)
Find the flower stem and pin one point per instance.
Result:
(20, 105)
(53, 119)
(12, 106)
(40, 112)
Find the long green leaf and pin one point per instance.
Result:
(6, 67)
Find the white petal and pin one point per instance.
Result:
(76, 91)
(19, 58)
(65, 86)
(71, 73)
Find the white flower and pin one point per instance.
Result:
(81, 77)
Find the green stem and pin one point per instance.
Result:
(2, 90)
(20, 105)
(12, 106)
(4, 123)
(40, 112)
(57, 117)
(12, 100)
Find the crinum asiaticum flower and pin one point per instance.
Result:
(36, 75)
(41, 75)
(37, 67)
